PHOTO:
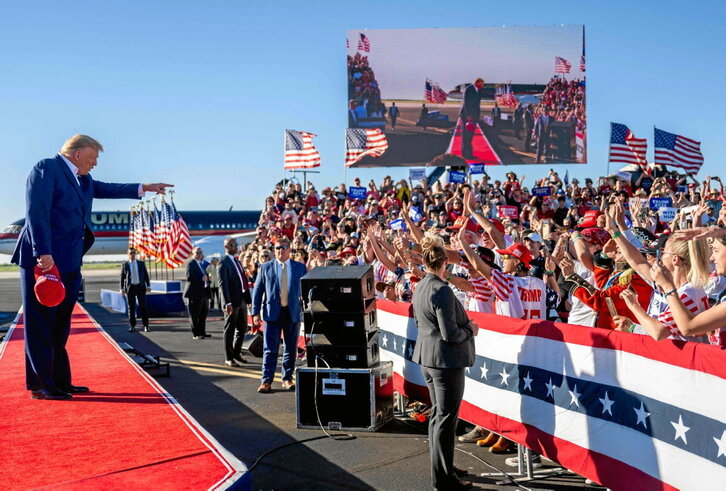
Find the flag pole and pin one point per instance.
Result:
(611, 138)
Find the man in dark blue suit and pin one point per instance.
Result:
(135, 284)
(57, 231)
(470, 112)
(279, 282)
(196, 292)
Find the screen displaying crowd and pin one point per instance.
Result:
(599, 253)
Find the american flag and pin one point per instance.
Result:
(161, 233)
(677, 151)
(300, 153)
(625, 148)
(134, 229)
(505, 97)
(179, 244)
(582, 63)
(361, 142)
(433, 93)
(364, 44)
(562, 65)
(601, 403)
(145, 239)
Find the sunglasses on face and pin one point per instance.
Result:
(281, 248)
(508, 256)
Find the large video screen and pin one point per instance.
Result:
(492, 95)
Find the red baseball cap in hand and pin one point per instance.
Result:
(49, 289)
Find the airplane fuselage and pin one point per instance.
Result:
(111, 228)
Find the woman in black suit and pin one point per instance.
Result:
(444, 349)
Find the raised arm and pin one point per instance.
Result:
(632, 255)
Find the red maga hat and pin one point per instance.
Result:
(471, 224)
(49, 289)
(590, 219)
(596, 235)
(519, 251)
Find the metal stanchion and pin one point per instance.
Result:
(525, 470)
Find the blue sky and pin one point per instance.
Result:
(199, 93)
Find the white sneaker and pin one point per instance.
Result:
(514, 461)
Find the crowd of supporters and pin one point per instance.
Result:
(595, 254)
(565, 100)
(363, 88)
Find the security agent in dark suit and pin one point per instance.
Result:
(444, 349)
(470, 112)
(196, 293)
(58, 231)
(236, 297)
(542, 132)
(135, 285)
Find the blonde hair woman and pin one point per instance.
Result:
(444, 349)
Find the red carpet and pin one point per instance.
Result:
(126, 433)
(481, 148)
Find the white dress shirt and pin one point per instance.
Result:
(74, 171)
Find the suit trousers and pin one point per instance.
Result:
(446, 388)
(543, 146)
(235, 327)
(137, 294)
(47, 365)
(198, 310)
(273, 330)
(466, 142)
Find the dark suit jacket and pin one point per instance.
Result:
(542, 125)
(234, 286)
(194, 289)
(445, 335)
(126, 275)
(58, 214)
(470, 106)
(268, 284)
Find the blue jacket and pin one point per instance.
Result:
(268, 284)
(58, 214)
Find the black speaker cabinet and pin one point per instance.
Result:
(344, 356)
(346, 399)
(253, 343)
(349, 328)
(338, 288)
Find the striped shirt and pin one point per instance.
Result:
(521, 297)
(693, 298)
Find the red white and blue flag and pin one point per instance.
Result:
(677, 151)
(433, 93)
(622, 409)
(179, 242)
(364, 44)
(360, 142)
(562, 65)
(300, 153)
(625, 148)
(505, 96)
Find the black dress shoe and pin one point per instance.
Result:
(460, 472)
(205, 335)
(132, 329)
(50, 395)
(73, 389)
(240, 359)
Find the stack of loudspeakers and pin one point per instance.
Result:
(344, 387)
(340, 317)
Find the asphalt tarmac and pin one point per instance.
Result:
(224, 400)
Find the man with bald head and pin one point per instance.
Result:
(57, 233)
(236, 297)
